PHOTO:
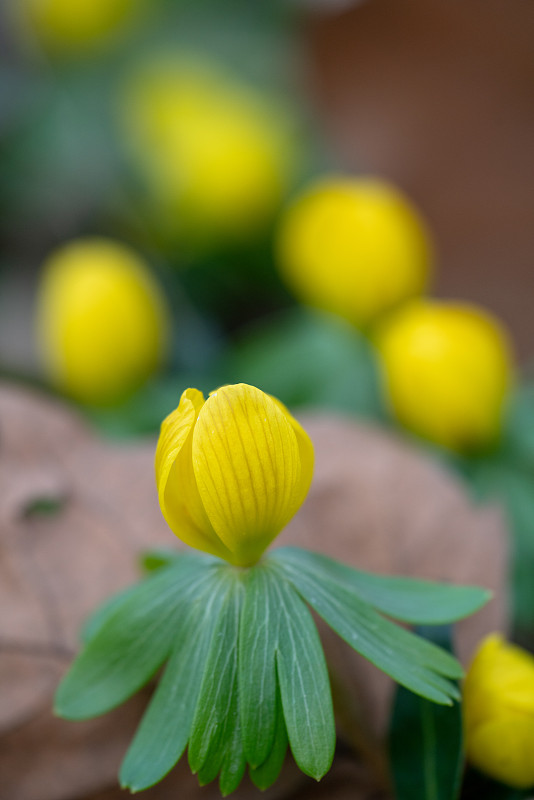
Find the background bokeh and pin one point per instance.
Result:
(299, 195)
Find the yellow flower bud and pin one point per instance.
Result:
(216, 156)
(448, 369)
(102, 321)
(71, 26)
(354, 247)
(231, 471)
(498, 707)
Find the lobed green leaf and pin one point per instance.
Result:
(132, 642)
(304, 684)
(217, 713)
(266, 774)
(162, 736)
(258, 638)
(415, 663)
(407, 599)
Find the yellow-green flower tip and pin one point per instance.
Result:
(215, 155)
(354, 247)
(102, 321)
(448, 370)
(231, 471)
(67, 27)
(498, 707)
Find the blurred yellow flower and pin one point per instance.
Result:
(448, 370)
(71, 26)
(353, 246)
(216, 156)
(102, 321)
(498, 707)
(231, 471)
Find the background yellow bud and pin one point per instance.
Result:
(215, 155)
(101, 320)
(498, 706)
(74, 25)
(355, 247)
(447, 369)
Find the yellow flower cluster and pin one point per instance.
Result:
(231, 471)
(357, 248)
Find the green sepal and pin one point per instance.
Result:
(304, 683)
(132, 643)
(163, 733)
(426, 743)
(415, 663)
(406, 599)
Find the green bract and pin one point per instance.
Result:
(245, 671)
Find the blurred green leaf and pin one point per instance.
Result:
(152, 560)
(513, 487)
(308, 359)
(425, 746)
(519, 426)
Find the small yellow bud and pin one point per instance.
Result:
(73, 26)
(231, 471)
(354, 247)
(498, 707)
(216, 156)
(101, 320)
(447, 369)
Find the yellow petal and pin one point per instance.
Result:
(177, 490)
(247, 464)
(306, 453)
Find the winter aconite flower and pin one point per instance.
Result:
(231, 471)
(499, 712)
(101, 320)
(354, 247)
(447, 369)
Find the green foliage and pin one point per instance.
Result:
(304, 686)
(406, 599)
(513, 487)
(245, 671)
(426, 746)
(308, 359)
(410, 660)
